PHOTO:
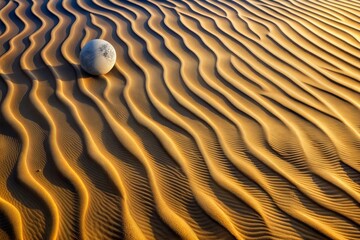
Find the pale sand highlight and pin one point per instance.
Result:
(221, 120)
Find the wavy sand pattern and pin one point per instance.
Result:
(221, 120)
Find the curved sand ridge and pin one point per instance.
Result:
(220, 120)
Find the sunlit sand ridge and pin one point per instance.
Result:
(220, 120)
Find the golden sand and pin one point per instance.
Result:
(221, 120)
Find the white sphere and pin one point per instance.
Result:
(97, 57)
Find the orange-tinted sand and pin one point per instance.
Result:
(222, 119)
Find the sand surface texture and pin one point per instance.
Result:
(220, 120)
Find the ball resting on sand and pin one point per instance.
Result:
(97, 57)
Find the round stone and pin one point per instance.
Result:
(97, 57)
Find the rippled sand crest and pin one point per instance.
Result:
(221, 120)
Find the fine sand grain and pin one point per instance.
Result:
(221, 119)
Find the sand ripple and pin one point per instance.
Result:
(221, 120)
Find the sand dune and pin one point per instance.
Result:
(221, 120)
